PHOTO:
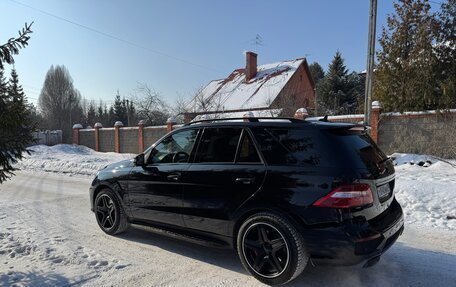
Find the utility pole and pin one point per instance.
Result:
(370, 61)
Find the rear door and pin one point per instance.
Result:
(226, 172)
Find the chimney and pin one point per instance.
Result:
(250, 65)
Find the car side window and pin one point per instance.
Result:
(247, 150)
(175, 148)
(218, 145)
(289, 146)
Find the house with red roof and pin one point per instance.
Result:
(268, 90)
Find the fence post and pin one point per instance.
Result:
(97, 127)
(301, 114)
(117, 126)
(375, 120)
(141, 136)
(76, 129)
(169, 124)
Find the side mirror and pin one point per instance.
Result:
(139, 160)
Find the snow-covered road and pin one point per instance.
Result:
(48, 236)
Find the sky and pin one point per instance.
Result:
(175, 47)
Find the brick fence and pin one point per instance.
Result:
(428, 132)
(120, 139)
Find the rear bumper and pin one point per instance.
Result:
(360, 243)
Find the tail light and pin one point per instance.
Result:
(347, 196)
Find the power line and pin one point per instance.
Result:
(115, 37)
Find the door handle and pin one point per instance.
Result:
(150, 170)
(173, 177)
(245, 180)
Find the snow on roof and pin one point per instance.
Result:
(235, 93)
(256, 114)
(430, 112)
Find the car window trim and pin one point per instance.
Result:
(245, 132)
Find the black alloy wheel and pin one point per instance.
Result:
(109, 213)
(271, 248)
(106, 212)
(265, 250)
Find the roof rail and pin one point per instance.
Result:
(250, 119)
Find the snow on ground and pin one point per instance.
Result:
(69, 159)
(427, 192)
(49, 237)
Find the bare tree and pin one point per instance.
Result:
(150, 105)
(288, 104)
(207, 104)
(203, 104)
(60, 102)
(180, 108)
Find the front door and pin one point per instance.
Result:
(155, 190)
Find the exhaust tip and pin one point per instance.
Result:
(371, 262)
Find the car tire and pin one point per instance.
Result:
(109, 213)
(271, 249)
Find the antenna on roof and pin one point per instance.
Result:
(258, 40)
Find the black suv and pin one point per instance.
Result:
(282, 192)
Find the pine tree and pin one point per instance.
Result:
(131, 113)
(446, 53)
(91, 114)
(405, 77)
(111, 116)
(13, 45)
(120, 109)
(99, 114)
(335, 92)
(358, 86)
(16, 128)
(106, 120)
(316, 71)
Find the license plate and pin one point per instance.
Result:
(383, 191)
(394, 229)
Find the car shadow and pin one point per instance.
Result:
(222, 257)
(400, 266)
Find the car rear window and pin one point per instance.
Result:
(357, 147)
